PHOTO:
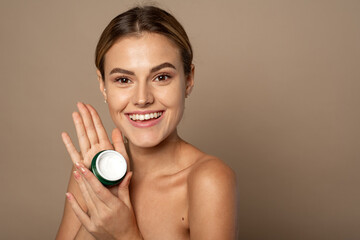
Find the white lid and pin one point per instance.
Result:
(111, 165)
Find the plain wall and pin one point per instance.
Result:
(276, 97)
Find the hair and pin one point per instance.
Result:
(144, 19)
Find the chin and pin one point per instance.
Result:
(151, 139)
(144, 144)
(145, 141)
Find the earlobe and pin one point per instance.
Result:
(101, 85)
(104, 94)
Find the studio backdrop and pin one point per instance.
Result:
(276, 97)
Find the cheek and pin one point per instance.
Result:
(173, 98)
(117, 101)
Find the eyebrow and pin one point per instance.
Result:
(161, 66)
(154, 69)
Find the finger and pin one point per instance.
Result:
(81, 133)
(88, 122)
(119, 145)
(81, 215)
(118, 142)
(95, 188)
(99, 127)
(85, 193)
(123, 190)
(74, 154)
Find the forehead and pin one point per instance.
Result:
(141, 52)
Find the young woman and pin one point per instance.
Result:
(173, 190)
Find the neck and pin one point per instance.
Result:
(160, 159)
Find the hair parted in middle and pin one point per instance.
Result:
(144, 19)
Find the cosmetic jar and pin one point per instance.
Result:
(109, 167)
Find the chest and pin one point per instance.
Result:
(161, 208)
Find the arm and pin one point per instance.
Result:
(212, 201)
(92, 138)
(93, 210)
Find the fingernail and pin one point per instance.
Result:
(83, 170)
(77, 164)
(68, 196)
(77, 175)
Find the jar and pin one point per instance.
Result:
(109, 167)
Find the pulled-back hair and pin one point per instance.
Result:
(144, 19)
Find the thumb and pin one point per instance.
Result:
(118, 142)
(123, 189)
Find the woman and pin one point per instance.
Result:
(173, 191)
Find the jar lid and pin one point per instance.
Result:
(109, 167)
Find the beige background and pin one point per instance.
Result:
(276, 97)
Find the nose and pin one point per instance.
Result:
(143, 95)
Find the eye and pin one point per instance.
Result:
(162, 77)
(122, 80)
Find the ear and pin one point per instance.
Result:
(190, 81)
(101, 83)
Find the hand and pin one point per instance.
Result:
(92, 138)
(91, 135)
(102, 204)
(109, 217)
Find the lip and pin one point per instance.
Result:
(147, 123)
(143, 112)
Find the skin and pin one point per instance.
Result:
(174, 191)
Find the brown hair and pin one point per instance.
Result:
(144, 19)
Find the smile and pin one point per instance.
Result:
(145, 117)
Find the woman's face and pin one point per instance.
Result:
(145, 87)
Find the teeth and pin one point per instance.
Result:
(142, 117)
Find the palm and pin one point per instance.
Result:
(88, 156)
(92, 138)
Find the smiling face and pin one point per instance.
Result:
(145, 87)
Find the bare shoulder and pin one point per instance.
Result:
(212, 196)
(210, 171)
